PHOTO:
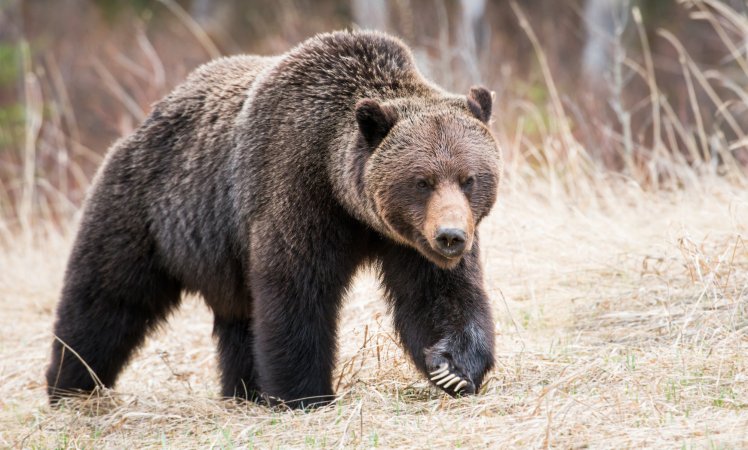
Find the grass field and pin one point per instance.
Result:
(621, 321)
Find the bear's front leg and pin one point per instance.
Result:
(442, 316)
(297, 294)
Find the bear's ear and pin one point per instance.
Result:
(374, 120)
(479, 101)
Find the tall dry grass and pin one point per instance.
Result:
(620, 296)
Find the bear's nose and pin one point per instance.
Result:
(450, 242)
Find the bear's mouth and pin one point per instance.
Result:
(427, 250)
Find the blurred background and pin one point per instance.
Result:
(637, 88)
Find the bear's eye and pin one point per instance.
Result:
(468, 182)
(423, 184)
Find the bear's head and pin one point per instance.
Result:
(431, 170)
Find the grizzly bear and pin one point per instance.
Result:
(263, 184)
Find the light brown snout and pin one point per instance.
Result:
(449, 225)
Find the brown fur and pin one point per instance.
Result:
(263, 184)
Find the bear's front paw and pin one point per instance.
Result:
(451, 379)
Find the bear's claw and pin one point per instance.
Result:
(445, 378)
(452, 381)
(442, 369)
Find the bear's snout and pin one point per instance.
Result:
(449, 224)
(450, 242)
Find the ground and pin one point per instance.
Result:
(621, 321)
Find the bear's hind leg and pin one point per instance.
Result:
(235, 357)
(105, 312)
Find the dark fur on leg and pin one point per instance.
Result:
(102, 323)
(442, 316)
(296, 315)
(235, 347)
(295, 342)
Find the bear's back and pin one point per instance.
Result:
(187, 151)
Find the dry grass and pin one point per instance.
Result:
(622, 321)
